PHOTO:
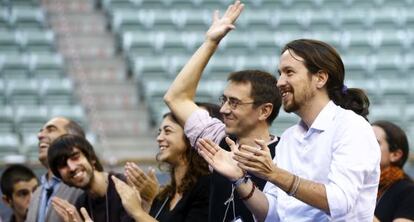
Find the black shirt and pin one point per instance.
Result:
(193, 206)
(397, 202)
(105, 209)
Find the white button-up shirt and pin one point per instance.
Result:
(340, 151)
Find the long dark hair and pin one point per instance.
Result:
(396, 139)
(197, 167)
(317, 56)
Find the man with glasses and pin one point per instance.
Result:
(249, 104)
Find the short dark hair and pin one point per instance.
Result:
(396, 139)
(62, 148)
(74, 128)
(317, 56)
(14, 174)
(212, 109)
(263, 89)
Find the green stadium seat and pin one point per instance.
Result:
(145, 68)
(73, 112)
(194, 20)
(170, 43)
(27, 18)
(2, 92)
(47, 66)
(29, 146)
(9, 144)
(57, 92)
(113, 5)
(22, 92)
(390, 112)
(138, 43)
(357, 42)
(355, 66)
(30, 119)
(38, 41)
(395, 90)
(4, 19)
(126, 20)
(155, 88)
(9, 43)
(6, 120)
(353, 19)
(14, 67)
(219, 67)
(237, 43)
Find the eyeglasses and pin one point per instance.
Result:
(232, 102)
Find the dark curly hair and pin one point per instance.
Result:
(197, 167)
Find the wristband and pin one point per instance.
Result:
(250, 194)
(241, 180)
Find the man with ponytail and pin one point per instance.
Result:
(327, 166)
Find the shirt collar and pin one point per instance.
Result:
(325, 117)
(49, 183)
(321, 122)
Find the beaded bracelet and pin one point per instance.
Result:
(250, 194)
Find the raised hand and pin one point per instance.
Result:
(131, 200)
(255, 160)
(66, 210)
(221, 26)
(221, 160)
(146, 184)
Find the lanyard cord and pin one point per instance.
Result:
(162, 207)
(228, 202)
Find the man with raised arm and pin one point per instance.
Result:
(327, 166)
(249, 104)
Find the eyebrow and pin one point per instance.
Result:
(231, 97)
(48, 127)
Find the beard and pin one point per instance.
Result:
(85, 185)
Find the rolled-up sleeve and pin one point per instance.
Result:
(355, 156)
(201, 125)
(270, 191)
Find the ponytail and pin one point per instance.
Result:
(354, 99)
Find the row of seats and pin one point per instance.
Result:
(292, 19)
(17, 17)
(37, 41)
(40, 66)
(27, 144)
(316, 4)
(29, 119)
(34, 92)
(173, 43)
(358, 67)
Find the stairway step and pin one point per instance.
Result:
(59, 6)
(86, 46)
(92, 23)
(109, 70)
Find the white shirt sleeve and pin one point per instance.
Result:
(349, 169)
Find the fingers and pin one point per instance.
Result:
(85, 215)
(135, 175)
(119, 185)
(234, 11)
(216, 15)
(262, 144)
(233, 146)
(61, 212)
(151, 174)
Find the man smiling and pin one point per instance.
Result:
(39, 210)
(73, 160)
